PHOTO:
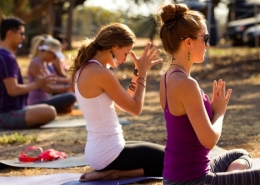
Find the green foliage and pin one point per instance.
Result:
(142, 26)
(88, 20)
(16, 138)
(7, 7)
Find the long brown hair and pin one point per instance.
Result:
(108, 36)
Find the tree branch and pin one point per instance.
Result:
(36, 12)
(19, 5)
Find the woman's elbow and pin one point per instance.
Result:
(209, 144)
(136, 112)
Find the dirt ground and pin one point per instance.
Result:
(241, 127)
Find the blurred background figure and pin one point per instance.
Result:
(59, 65)
(14, 112)
(44, 50)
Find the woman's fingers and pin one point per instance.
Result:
(214, 90)
(154, 62)
(219, 90)
(228, 95)
(146, 49)
(133, 55)
(146, 60)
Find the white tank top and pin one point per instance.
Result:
(105, 138)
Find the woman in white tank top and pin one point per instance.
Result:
(97, 90)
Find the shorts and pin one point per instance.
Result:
(13, 120)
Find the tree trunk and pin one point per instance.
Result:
(70, 24)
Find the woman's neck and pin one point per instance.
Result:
(41, 57)
(102, 57)
(180, 61)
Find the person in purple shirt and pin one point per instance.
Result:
(193, 121)
(14, 112)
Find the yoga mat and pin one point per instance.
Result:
(71, 161)
(52, 179)
(111, 182)
(216, 151)
(75, 123)
(73, 179)
(256, 163)
(68, 162)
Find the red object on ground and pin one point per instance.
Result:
(47, 155)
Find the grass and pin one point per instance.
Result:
(16, 138)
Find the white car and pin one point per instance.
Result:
(251, 35)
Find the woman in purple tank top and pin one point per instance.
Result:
(193, 121)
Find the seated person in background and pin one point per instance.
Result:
(59, 65)
(97, 90)
(193, 121)
(14, 114)
(44, 51)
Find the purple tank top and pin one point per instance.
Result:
(185, 157)
(37, 95)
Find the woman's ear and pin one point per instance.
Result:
(187, 42)
(115, 46)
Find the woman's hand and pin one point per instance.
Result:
(43, 80)
(146, 60)
(220, 97)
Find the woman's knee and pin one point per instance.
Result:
(41, 114)
(51, 113)
(70, 97)
(244, 155)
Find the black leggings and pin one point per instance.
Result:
(140, 154)
(62, 102)
(219, 176)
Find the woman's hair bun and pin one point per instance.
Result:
(172, 11)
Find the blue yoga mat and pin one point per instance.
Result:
(111, 182)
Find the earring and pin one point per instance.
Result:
(188, 56)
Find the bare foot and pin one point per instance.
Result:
(98, 175)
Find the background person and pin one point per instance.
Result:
(44, 51)
(98, 90)
(59, 65)
(193, 121)
(14, 114)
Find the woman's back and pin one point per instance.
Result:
(185, 157)
(105, 136)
